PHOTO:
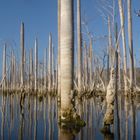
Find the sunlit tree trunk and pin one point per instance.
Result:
(123, 43)
(135, 71)
(31, 69)
(53, 69)
(59, 65)
(50, 64)
(14, 72)
(130, 42)
(79, 44)
(90, 63)
(67, 55)
(109, 62)
(45, 69)
(110, 42)
(22, 55)
(119, 69)
(36, 65)
(85, 66)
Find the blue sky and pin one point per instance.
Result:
(40, 18)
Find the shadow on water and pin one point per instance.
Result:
(37, 119)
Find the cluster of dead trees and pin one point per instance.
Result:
(86, 72)
(29, 73)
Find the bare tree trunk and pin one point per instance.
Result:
(91, 63)
(135, 71)
(12, 70)
(50, 64)
(59, 54)
(67, 55)
(22, 55)
(130, 41)
(45, 69)
(4, 68)
(109, 62)
(79, 45)
(119, 70)
(124, 44)
(85, 66)
(31, 69)
(110, 42)
(53, 80)
(36, 64)
(14, 73)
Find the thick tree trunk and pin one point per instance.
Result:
(67, 55)
(124, 44)
(130, 41)
(79, 45)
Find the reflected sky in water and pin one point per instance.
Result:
(37, 119)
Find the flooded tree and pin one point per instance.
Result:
(123, 43)
(130, 42)
(22, 55)
(67, 57)
(79, 45)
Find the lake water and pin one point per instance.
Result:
(37, 120)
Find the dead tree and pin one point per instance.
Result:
(22, 55)
(36, 65)
(50, 64)
(79, 42)
(130, 42)
(4, 68)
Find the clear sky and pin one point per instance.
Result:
(40, 18)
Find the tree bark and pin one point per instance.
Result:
(36, 64)
(22, 54)
(79, 43)
(50, 64)
(91, 63)
(130, 42)
(59, 53)
(4, 68)
(45, 69)
(67, 55)
(123, 43)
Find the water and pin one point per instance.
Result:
(37, 120)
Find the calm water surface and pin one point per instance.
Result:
(37, 120)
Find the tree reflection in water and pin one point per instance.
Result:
(37, 119)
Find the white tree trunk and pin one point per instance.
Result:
(130, 42)
(67, 54)
(59, 54)
(4, 68)
(91, 63)
(124, 44)
(36, 64)
(79, 43)
(45, 69)
(22, 54)
(110, 43)
(50, 64)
